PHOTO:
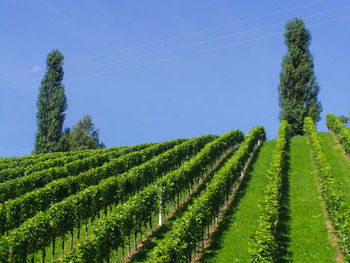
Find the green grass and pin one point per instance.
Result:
(340, 166)
(230, 242)
(303, 231)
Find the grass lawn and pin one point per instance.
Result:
(340, 166)
(303, 228)
(230, 242)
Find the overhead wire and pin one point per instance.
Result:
(212, 49)
(208, 29)
(208, 49)
(201, 31)
(203, 41)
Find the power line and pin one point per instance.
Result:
(210, 49)
(215, 48)
(197, 43)
(203, 42)
(208, 29)
(200, 31)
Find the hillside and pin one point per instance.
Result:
(212, 199)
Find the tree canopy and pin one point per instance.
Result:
(298, 88)
(52, 103)
(83, 136)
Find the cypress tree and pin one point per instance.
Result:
(298, 88)
(52, 103)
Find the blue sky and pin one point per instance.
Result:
(154, 70)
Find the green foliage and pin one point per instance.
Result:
(111, 232)
(192, 170)
(24, 161)
(230, 242)
(343, 134)
(331, 190)
(263, 245)
(98, 246)
(38, 231)
(83, 136)
(343, 119)
(298, 89)
(52, 103)
(22, 170)
(181, 240)
(16, 211)
(21, 185)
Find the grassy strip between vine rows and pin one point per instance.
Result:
(343, 134)
(19, 186)
(331, 190)
(38, 232)
(16, 211)
(230, 241)
(180, 242)
(113, 231)
(263, 245)
(19, 171)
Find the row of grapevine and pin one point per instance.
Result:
(180, 242)
(21, 185)
(331, 190)
(343, 134)
(37, 232)
(113, 231)
(263, 245)
(27, 160)
(11, 162)
(16, 211)
(177, 181)
(19, 171)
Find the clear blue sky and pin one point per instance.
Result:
(153, 70)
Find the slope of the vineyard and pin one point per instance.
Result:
(230, 242)
(158, 235)
(103, 210)
(110, 231)
(302, 231)
(336, 158)
(305, 230)
(37, 232)
(186, 237)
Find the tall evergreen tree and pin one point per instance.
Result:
(52, 103)
(298, 88)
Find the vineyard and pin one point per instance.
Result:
(228, 198)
